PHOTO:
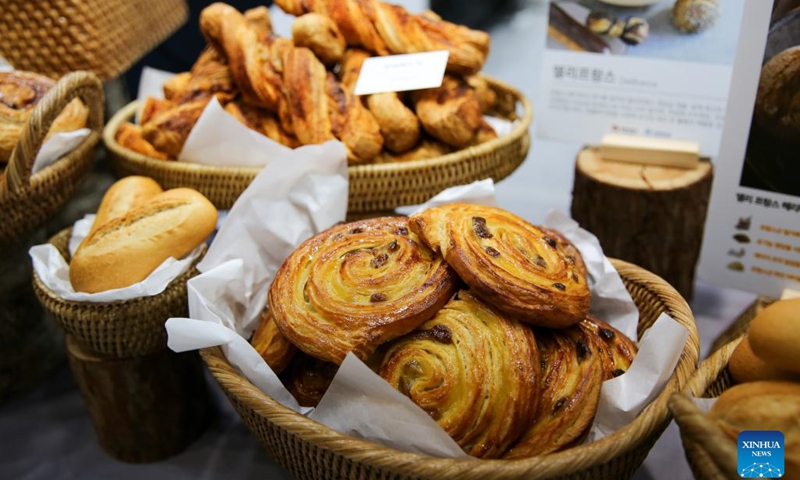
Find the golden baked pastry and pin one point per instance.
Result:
(167, 131)
(572, 374)
(615, 349)
(356, 286)
(774, 334)
(398, 124)
(125, 194)
(487, 99)
(20, 92)
(130, 137)
(319, 34)
(450, 113)
(270, 343)
(424, 150)
(307, 379)
(261, 121)
(473, 370)
(174, 85)
(746, 366)
(352, 123)
(531, 273)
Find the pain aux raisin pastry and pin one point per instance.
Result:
(475, 371)
(616, 350)
(356, 286)
(531, 273)
(270, 343)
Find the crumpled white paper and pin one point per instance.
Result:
(231, 293)
(53, 270)
(58, 145)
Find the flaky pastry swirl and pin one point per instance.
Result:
(474, 371)
(270, 343)
(616, 350)
(356, 286)
(572, 374)
(531, 273)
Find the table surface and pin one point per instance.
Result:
(47, 433)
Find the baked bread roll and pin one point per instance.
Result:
(356, 286)
(746, 366)
(615, 349)
(777, 109)
(127, 249)
(473, 370)
(572, 374)
(130, 136)
(774, 334)
(273, 347)
(530, 273)
(307, 379)
(19, 94)
(122, 197)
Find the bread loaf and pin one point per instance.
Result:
(127, 249)
(746, 366)
(775, 334)
(123, 196)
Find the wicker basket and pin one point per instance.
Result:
(710, 453)
(742, 323)
(310, 450)
(54, 37)
(372, 187)
(26, 200)
(123, 329)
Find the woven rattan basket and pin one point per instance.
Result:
(372, 187)
(121, 329)
(710, 453)
(310, 450)
(26, 200)
(54, 37)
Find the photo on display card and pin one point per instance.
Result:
(639, 67)
(752, 235)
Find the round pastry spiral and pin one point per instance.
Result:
(356, 286)
(615, 349)
(529, 272)
(474, 371)
(307, 379)
(572, 374)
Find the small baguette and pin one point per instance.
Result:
(122, 197)
(127, 249)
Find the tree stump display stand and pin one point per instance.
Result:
(145, 408)
(648, 215)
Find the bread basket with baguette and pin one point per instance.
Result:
(120, 329)
(103, 36)
(310, 450)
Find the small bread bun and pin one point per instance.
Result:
(745, 366)
(775, 334)
(123, 196)
(127, 249)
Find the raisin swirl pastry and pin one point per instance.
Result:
(356, 286)
(270, 343)
(531, 273)
(473, 370)
(572, 374)
(307, 379)
(615, 349)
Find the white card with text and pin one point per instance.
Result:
(400, 73)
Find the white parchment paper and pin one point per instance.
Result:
(57, 146)
(53, 270)
(278, 212)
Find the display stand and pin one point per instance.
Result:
(649, 215)
(146, 408)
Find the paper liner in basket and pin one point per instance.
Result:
(290, 201)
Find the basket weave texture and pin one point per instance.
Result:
(106, 37)
(26, 200)
(122, 329)
(378, 187)
(310, 450)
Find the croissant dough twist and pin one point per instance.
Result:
(531, 273)
(19, 94)
(572, 375)
(270, 343)
(474, 371)
(356, 286)
(450, 113)
(383, 28)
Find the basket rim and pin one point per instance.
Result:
(520, 127)
(653, 417)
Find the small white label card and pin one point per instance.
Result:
(400, 73)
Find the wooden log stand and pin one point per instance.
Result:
(648, 215)
(143, 409)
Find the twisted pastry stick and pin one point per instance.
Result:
(261, 121)
(319, 34)
(356, 286)
(572, 375)
(383, 28)
(474, 371)
(352, 123)
(305, 83)
(531, 273)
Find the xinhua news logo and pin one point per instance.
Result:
(761, 454)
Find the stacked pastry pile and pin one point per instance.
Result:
(20, 92)
(477, 316)
(299, 90)
(766, 365)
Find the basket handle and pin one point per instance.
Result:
(84, 85)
